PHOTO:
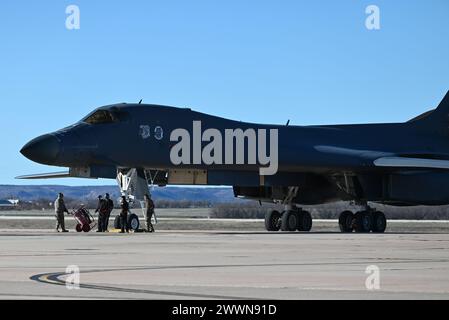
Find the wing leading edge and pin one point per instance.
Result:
(63, 174)
(406, 162)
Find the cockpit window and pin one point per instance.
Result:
(109, 115)
(100, 116)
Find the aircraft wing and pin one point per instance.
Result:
(386, 159)
(348, 152)
(63, 174)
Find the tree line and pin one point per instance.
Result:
(253, 210)
(47, 204)
(243, 209)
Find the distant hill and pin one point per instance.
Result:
(29, 193)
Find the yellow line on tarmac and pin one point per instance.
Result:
(46, 279)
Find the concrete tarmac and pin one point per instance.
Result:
(223, 265)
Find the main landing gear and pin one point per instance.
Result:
(296, 219)
(289, 220)
(363, 221)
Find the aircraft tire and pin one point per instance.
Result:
(304, 221)
(289, 221)
(133, 222)
(363, 221)
(367, 221)
(272, 221)
(345, 221)
(117, 222)
(379, 222)
(358, 222)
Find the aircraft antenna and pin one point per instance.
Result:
(288, 122)
(140, 101)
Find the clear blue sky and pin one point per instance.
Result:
(313, 62)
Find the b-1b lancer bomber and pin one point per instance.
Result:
(399, 164)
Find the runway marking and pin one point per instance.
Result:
(46, 296)
(54, 278)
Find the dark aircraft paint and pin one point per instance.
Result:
(397, 163)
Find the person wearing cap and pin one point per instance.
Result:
(124, 215)
(109, 208)
(60, 208)
(100, 211)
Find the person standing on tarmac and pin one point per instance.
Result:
(124, 215)
(100, 211)
(60, 208)
(149, 206)
(109, 208)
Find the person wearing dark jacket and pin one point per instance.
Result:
(100, 210)
(109, 208)
(60, 208)
(149, 211)
(124, 215)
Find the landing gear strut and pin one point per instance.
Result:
(133, 185)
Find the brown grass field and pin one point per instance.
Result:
(199, 219)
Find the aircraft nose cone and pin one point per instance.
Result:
(44, 149)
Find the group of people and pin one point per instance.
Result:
(149, 211)
(104, 209)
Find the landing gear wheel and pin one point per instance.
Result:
(289, 221)
(358, 222)
(363, 221)
(133, 222)
(367, 221)
(379, 222)
(304, 221)
(117, 222)
(78, 228)
(272, 221)
(345, 221)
